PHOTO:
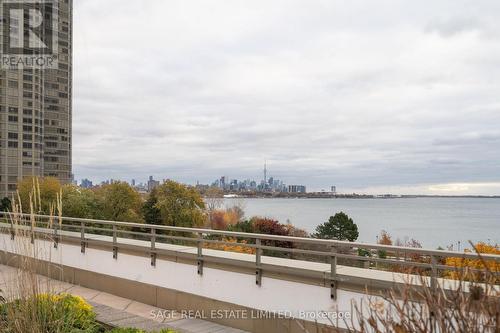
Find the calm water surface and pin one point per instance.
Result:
(433, 221)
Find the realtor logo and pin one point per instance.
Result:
(30, 34)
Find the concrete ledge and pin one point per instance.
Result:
(114, 311)
(165, 298)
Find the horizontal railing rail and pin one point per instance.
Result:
(332, 250)
(304, 240)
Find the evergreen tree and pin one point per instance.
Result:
(150, 211)
(5, 205)
(339, 227)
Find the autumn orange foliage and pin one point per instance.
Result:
(462, 263)
(230, 247)
(221, 219)
(385, 238)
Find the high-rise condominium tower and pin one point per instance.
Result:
(35, 102)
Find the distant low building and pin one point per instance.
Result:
(296, 189)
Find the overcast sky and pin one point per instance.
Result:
(370, 96)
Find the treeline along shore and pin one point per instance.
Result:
(327, 195)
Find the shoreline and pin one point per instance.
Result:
(349, 196)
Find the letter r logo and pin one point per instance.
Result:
(29, 33)
(17, 28)
(30, 25)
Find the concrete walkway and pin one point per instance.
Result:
(117, 311)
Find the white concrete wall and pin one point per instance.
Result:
(237, 288)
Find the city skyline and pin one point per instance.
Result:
(265, 184)
(402, 99)
(246, 184)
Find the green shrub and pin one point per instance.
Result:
(78, 311)
(364, 252)
(50, 314)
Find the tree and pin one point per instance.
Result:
(410, 256)
(269, 227)
(263, 225)
(42, 192)
(79, 202)
(296, 232)
(180, 205)
(119, 202)
(5, 205)
(237, 211)
(242, 226)
(218, 220)
(339, 227)
(384, 239)
(150, 211)
(214, 198)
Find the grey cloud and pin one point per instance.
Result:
(473, 138)
(357, 94)
(453, 26)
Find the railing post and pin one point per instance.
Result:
(153, 247)
(434, 285)
(82, 236)
(115, 245)
(258, 262)
(200, 253)
(56, 236)
(333, 274)
(433, 272)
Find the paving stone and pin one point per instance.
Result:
(130, 321)
(146, 311)
(112, 301)
(86, 293)
(110, 317)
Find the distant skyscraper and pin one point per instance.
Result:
(35, 102)
(265, 172)
(86, 183)
(152, 184)
(296, 189)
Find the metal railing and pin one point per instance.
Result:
(376, 256)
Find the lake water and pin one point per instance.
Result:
(432, 221)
